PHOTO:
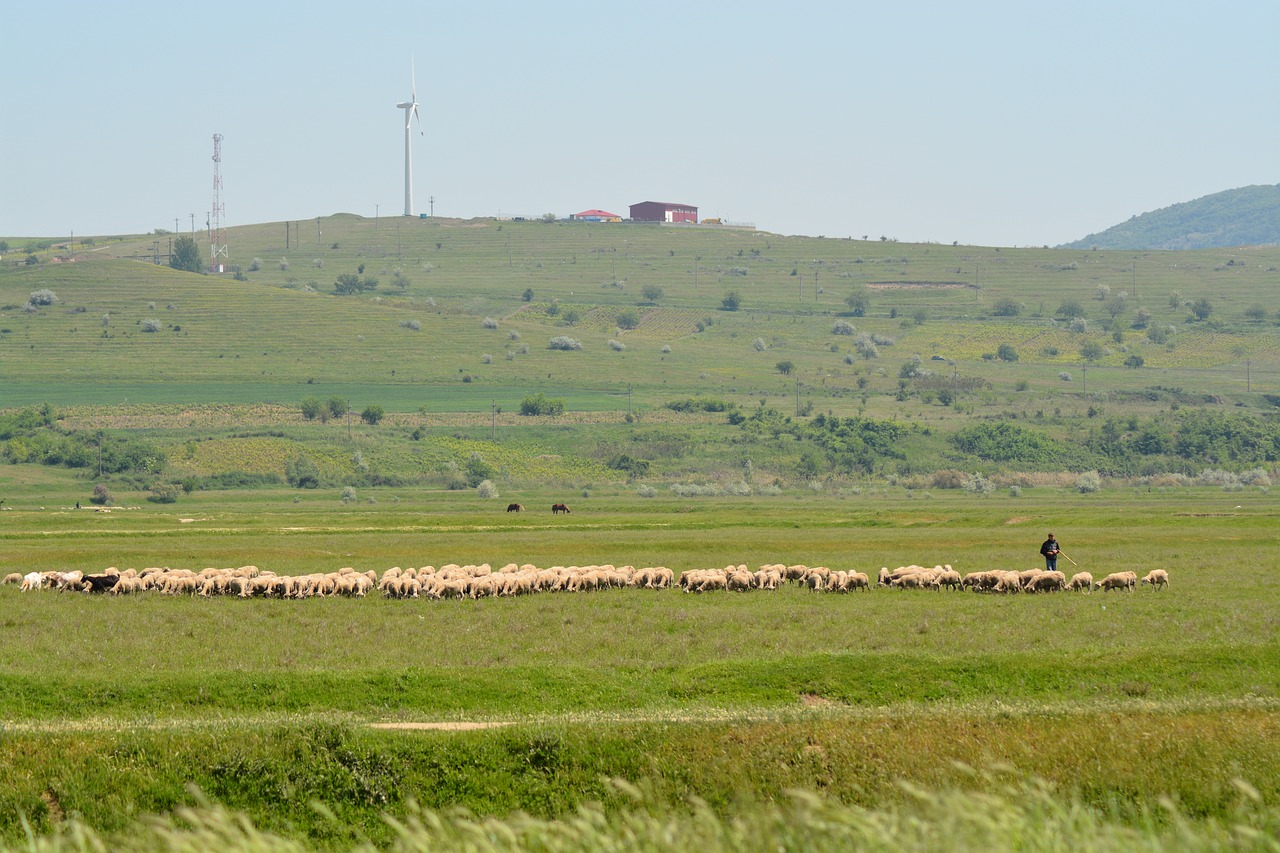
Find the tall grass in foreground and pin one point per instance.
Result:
(1025, 815)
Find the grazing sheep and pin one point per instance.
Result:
(32, 580)
(1118, 580)
(859, 580)
(1157, 578)
(1048, 582)
(14, 577)
(1082, 581)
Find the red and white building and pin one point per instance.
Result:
(664, 211)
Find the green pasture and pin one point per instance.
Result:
(271, 334)
(1116, 721)
(1114, 698)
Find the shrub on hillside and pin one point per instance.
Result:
(312, 408)
(301, 473)
(101, 495)
(1006, 307)
(151, 325)
(541, 405)
(43, 297)
(616, 346)
(413, 325)
(489, 323)
(372, 414)
(842, 327)
(486, 489)
(564, 342)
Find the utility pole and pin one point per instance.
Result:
(431, 200)
(317, 230)
(375, 217)
(286, 235)
(815, 285)
(175, 225)
(193, 225)
(493, 429)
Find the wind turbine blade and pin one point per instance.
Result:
(418, 116)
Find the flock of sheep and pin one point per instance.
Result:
(454, 581)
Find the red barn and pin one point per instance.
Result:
(663, 211)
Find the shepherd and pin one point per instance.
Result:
(1050, 552)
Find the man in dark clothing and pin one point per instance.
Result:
(1050, 551)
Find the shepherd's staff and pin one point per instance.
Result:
(1069, 560)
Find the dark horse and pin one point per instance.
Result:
(514, 507)
(556, 509)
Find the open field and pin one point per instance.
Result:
(1113, 698)
(791, 430)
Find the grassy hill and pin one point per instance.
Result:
(1246, 216)
(456, 334)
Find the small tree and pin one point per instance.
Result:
(186, 255)
(348, 284)
(1091, 351)
(1201, 308)
(651, 293)
(1070, 308)
(786, 367)
(571, 316)
(486, 489)
(302, 473)
(541, 405)
(43, 297)
(1006, 307)
(101, 495)
(337, 406)
(164, 493)
(628, 319)
(1006, 352)
(372, 414)
(527, 296)
(859, 302)
(732, 301)
(311, 408)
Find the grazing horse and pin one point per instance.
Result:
(556, 509)
(515, 507)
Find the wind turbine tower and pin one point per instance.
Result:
(217, 239)
(410, 108)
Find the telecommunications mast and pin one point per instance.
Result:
(217, 240)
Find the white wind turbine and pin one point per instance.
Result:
(410, 108)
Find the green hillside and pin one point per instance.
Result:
(1247, 216)
(1092, 349)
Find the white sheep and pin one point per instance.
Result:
(1118, 580)
(1157, 578)
(1082, 581)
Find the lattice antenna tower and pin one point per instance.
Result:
(217, 239)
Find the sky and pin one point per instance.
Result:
(989, 123)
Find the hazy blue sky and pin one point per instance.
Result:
(1001, 123)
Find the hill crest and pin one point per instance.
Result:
(1245, 216)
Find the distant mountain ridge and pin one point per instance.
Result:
(1247, 216)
